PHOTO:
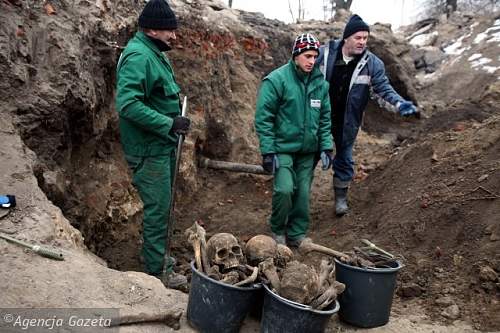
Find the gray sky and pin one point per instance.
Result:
(396, 12)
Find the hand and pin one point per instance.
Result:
(407, 108)
(270, 163)
(181, 125)
(326, 159)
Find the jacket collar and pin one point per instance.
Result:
(148, 42)
(305, 77)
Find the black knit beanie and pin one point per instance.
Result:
(157, 15)
(354, 25)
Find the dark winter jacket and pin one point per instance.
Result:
(293, 112)
(369, 76)
(147, 98)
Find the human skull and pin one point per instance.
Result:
(259, 248)
(223, 250)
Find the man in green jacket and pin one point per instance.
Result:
(293, 124)
(147, 101)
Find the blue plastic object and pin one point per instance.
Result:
(7, 201)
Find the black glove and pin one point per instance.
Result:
(270, 163)
(326, 159)
(181, 125)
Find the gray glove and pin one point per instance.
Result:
(326, 158)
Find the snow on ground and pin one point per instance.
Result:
(424, 39)
(456, 48)
(494, 37)
(475, 56)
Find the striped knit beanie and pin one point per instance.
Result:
(303, 43)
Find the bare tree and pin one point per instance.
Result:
(301, 10)
(434, 8)
(291, 10)
(331, 6)
(341, 4)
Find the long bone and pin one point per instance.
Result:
(308, 246)
(196, 236)
(249, 279)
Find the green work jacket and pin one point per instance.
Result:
(293, 112)
(147, 98)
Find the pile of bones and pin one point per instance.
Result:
(263, 260)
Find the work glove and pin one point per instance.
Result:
(181, 125)
(270, 163)
(326, 158)
(406, 109)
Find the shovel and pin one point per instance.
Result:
(170, 223)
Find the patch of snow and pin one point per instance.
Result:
(480, 62)
(423, 39)
(429, 76)
(480, 37)
(475, 56)
(456, 47)
(490, 69)
(496, 23)
(494, 38)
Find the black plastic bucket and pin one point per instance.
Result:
(280, 315)
(367, 299)
(214, 306)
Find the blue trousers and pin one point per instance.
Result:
(343, 166)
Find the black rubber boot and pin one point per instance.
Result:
(341, 207)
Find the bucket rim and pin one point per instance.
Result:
(300, 306)
(371, 270)
(253, 287)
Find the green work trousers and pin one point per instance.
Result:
(152, 177)
(292, 186)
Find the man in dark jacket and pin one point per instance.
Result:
(353, 73)
(292, 121)
(147, 101)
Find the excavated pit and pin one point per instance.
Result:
(60, 91)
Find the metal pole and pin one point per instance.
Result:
(43, 251)
(170, 224)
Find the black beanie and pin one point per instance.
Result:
(157, 15)
(354, 25)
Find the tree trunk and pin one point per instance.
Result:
(230, 3)
(451, 5)
(343, 4)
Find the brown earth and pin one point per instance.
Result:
(426, 189)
